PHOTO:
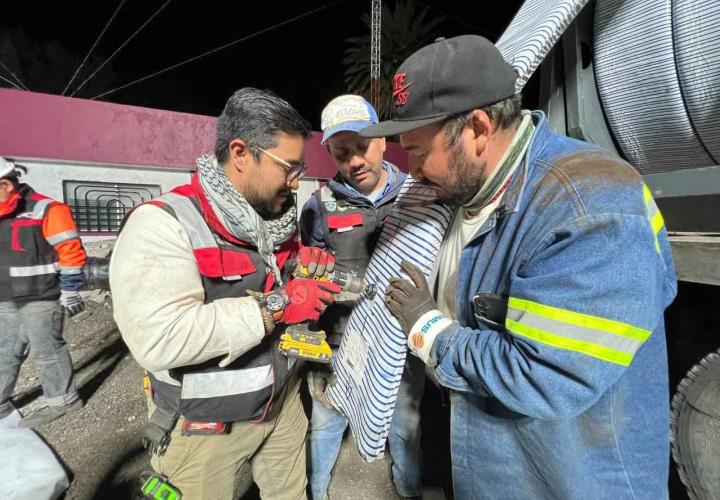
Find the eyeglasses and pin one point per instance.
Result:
(292, 172)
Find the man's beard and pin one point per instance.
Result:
(264, 205)
(464, 179)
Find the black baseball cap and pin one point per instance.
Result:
(446, 77)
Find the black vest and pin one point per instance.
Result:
(350, 230)
(28, 263)
(244, 389)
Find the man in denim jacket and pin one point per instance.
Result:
(544, 316)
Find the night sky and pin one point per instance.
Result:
(44, 41)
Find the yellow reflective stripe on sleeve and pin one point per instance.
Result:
(602, 338)
(579, 319)
(594, 350)
(647, 194)
(656, 219)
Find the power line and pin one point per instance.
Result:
(120, 48)
(212, 51)
(11, 83)
(107, 25)
(14, 76)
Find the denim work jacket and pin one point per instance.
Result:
(566, 396)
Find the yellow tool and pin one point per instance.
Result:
(298, 341)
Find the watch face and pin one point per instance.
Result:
(274, 302)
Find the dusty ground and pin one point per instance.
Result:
(100, 445)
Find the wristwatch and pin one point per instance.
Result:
(275, 302)
(271, 305)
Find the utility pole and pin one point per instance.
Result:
(375, 33)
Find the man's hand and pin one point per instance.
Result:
(308, 299)
(317, 261)
(318, 381)
(415, 309)
(72, 302)
(409, 301)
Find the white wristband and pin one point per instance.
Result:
(423, 333)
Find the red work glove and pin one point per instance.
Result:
(308, 299)
(317, 261)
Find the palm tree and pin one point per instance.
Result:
(405, 29)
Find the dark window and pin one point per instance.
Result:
(99, 207)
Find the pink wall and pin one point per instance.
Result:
(62, 128)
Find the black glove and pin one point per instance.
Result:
(72, 302)
(409, 301)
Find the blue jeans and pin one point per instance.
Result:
(36, 326)
(328, 426)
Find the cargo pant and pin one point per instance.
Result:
(205, 467)
(36, 327)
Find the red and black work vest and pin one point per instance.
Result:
(350, 230)
(244, 389)
(28, 262)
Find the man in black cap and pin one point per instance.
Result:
(544, 314)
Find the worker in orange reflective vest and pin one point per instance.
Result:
(41, 271)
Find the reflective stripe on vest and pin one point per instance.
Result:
(201, 237)
(226, 382)
(38, 210)
(38, 270)
(594, 336)
(220, 383)
(191, 221)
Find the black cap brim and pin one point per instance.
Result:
(395, 127)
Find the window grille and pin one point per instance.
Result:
(99, 207)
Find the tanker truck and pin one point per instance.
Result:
(642, 78)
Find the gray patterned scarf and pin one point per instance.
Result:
(239, 217)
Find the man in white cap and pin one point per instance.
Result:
(345, 217)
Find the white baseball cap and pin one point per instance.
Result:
(7, 167)
(346, 113)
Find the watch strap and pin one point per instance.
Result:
(268, 320)
(267, 316)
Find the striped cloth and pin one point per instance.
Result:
(532, 33)
(371, 358)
